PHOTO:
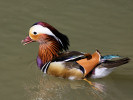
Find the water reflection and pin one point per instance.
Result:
(52, 88)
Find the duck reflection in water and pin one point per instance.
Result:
(51, 88)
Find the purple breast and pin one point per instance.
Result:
(39, 62)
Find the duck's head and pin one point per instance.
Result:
(44, 33)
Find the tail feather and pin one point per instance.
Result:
(109, 57)
(115, 63)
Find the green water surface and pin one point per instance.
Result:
(106, 25)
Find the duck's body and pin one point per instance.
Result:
(53, 60)
(71, 65)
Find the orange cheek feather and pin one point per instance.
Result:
(37, 37)
(33, 37)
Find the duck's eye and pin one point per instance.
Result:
(34, 33)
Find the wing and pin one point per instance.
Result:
(69, 56)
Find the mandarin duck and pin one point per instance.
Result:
(55, 59)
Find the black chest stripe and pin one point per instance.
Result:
(82, 69)
(45, 67)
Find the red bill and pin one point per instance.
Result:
(27, 40)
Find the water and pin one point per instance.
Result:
(106, 25)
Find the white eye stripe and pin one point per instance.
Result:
(43, 30)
